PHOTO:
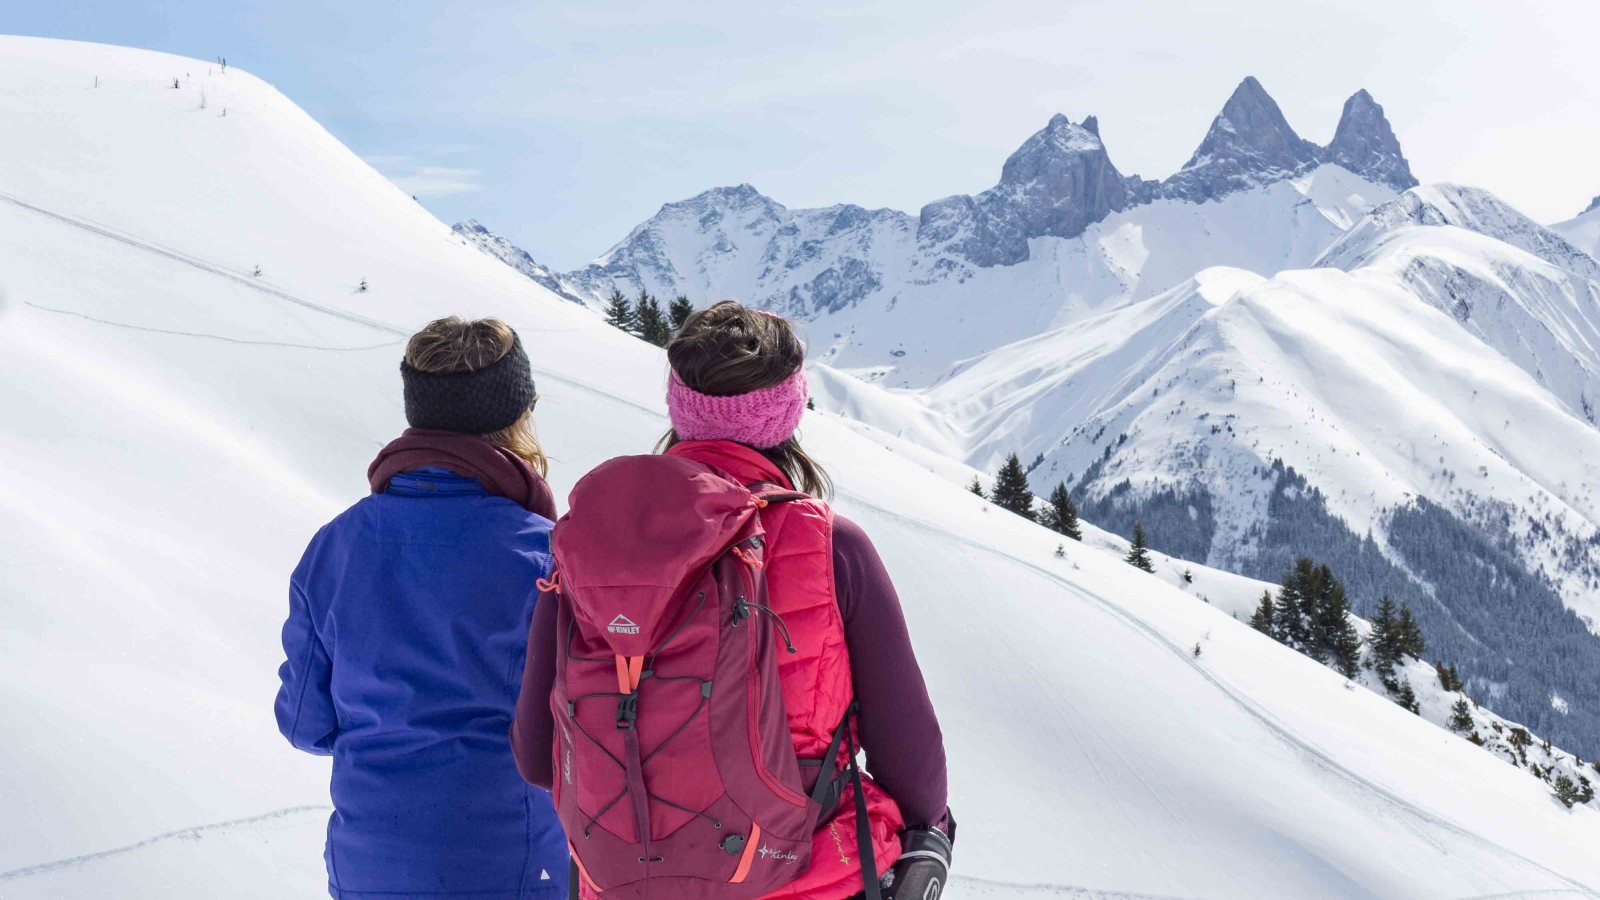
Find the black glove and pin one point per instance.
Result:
(924, 864)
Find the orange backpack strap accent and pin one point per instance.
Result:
(749, 855)
(629, 669)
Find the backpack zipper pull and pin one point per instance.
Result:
(743, 609)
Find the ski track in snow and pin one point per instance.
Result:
(1269, 721)
(191, 833)
(214, 337)
(203, 265)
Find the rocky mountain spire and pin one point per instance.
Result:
(1365, 144)
(1059, 182)
(1593, 205)
(1250, 143)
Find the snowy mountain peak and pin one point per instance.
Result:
(1249, 143)
(1092, 125)
(1365, 144)
(737, 197)
(1593, 204)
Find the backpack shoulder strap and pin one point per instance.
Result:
(768, 492)
(828, 792)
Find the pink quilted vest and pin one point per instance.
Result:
(816, 682)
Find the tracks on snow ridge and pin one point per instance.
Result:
(217, 269)
(191, 833)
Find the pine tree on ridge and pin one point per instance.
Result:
(1139, 549)
(652, 321)
(1061, 514)
(620, 313)
(679, 312)
(1011, 489)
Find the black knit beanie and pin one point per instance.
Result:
(478, 402)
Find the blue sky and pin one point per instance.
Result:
(562, 126)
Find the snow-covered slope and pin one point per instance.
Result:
(1062, 236)
(1583, 230)
(177, 428)
(1166, 402)
(1517, 286)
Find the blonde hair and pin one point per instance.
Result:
(453, 344)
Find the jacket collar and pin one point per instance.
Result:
(746, 464)
(433, 481)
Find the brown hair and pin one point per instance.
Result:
(726, 349)
(453, 344)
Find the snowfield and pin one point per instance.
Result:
(177, 427)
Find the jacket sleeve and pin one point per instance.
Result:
(897, 725)
(305, 704)
(533, 729)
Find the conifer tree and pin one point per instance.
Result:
(679, 312)
(1385, 642)
(619, 312)
(1061, 515)
(1334, 638)
(1411, 643)
(1262, 620)
(1407, 698)
(1566, 791)
(977, 488)
(1455, 679)
(1289, 613)
(652, 322)
(1139, 551)
(1461, 715)
(1011, 488)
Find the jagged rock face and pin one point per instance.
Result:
(1249, 144)
(1365, 144)
(512, 255)
(1058, 183)
(1593, 205)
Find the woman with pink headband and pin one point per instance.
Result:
(843, 657)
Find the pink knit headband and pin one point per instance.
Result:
(763, 418)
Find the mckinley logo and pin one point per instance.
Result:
(769, 853)
(622, 625)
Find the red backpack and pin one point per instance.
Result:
(674, 765)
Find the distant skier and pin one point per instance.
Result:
(407, 616)
(707, 561)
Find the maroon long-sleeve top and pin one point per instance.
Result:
(897, 725)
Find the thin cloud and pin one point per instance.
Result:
(424, 180)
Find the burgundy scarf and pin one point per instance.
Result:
(500, 471)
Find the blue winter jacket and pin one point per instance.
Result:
(408, 624)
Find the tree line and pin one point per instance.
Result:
(1311, 613)
(645, 318)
